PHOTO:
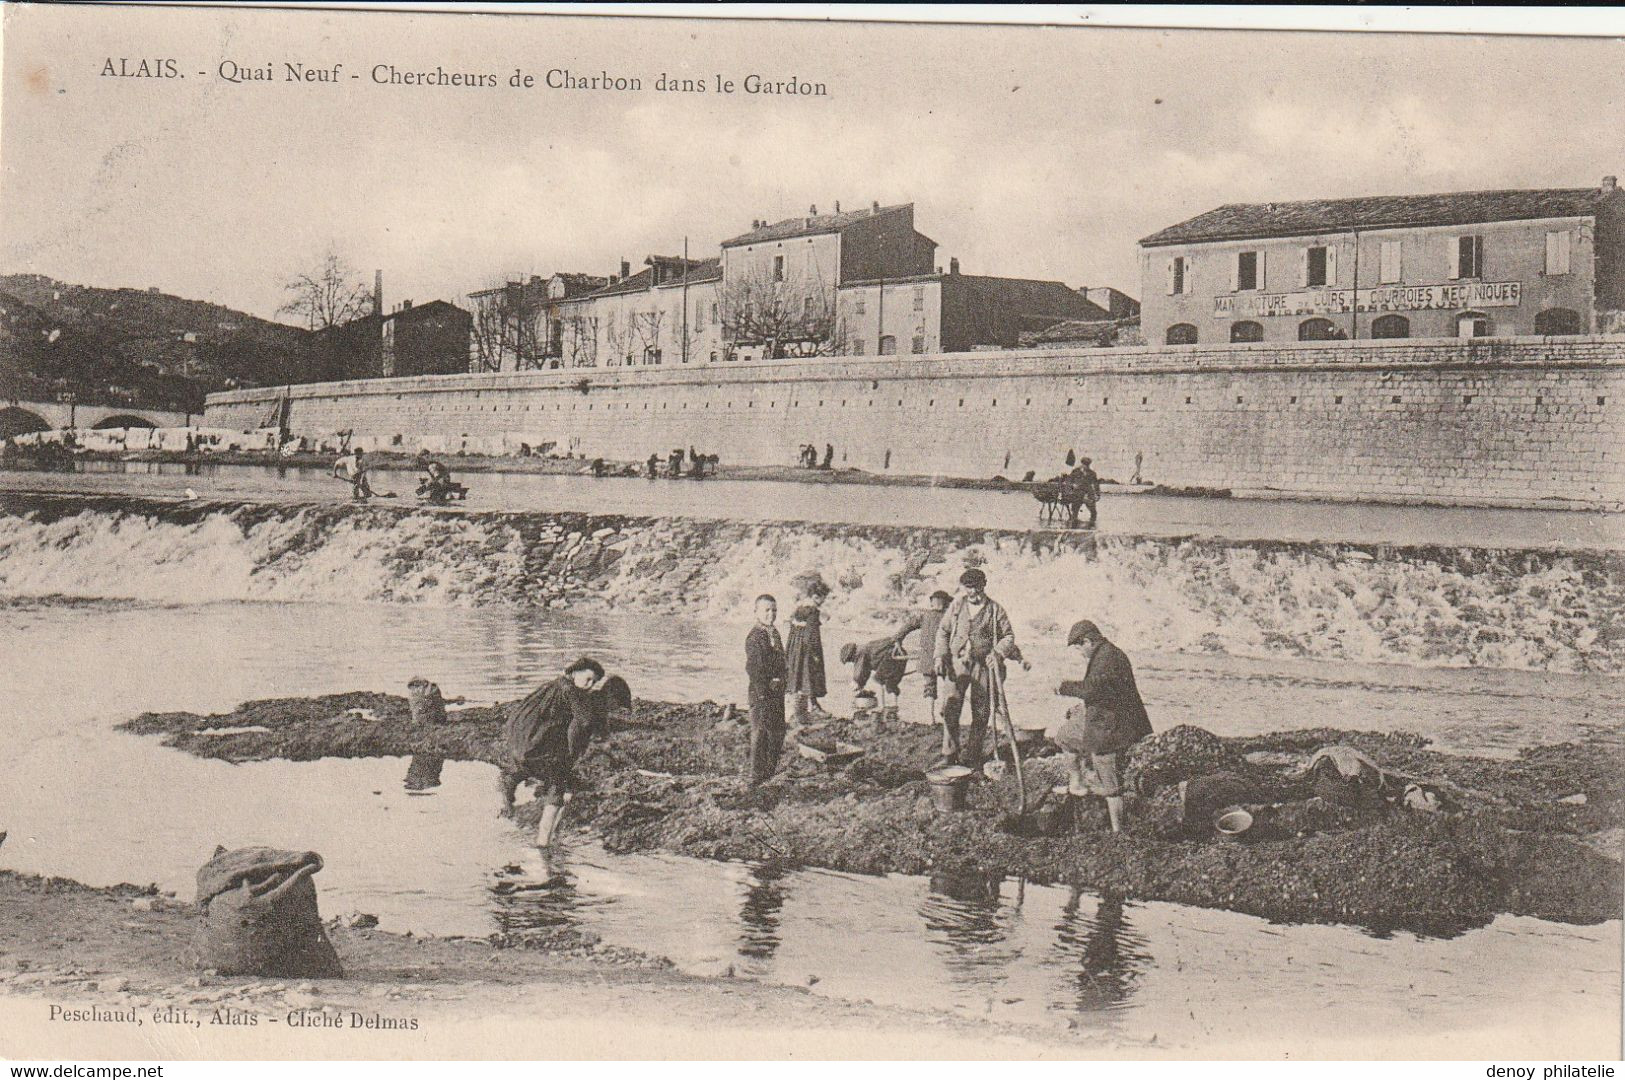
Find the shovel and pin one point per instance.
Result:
(1001, 720)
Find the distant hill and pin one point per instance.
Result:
(132, 346)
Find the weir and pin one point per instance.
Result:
(1502, 421)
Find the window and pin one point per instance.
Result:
(1391, 326)
(1471, 324)
(1559, 320)
(1557, 252)
(1391, 265)
(1469, 257)
(713, 314)
(1181, 334)
(778, 268)
(1317, 330)
(1179, 274)
(857, 306)
(807, 307)
(1246, 331)
(919, 343)
(888, 345)
(1319, 266)
(1247, 267)
(919, 298)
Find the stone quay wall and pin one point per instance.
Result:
(1510, 421)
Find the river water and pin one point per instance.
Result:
(89, 803)
(110, 616)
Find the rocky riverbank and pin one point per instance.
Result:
(1538, 835)
(108, 973)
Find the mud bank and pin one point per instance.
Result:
(1427, 606)
(1538, 835)
(129, 949)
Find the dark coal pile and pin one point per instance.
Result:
(1522, 837)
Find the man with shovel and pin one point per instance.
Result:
(973, 642)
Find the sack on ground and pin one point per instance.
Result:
(260, 915)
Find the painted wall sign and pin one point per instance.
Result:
(1450, 297)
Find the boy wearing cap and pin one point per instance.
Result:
(546, 733)
(1110, 719)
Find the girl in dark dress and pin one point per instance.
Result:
(804, 656)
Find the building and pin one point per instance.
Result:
(1119, 305)
(780, 280)
(953, 312)
(517, 326)
(1466, 264)
(426, 339)
(666, 313)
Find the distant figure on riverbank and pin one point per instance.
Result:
(546, 734)
(1082, 487)
(653, 466)
(674, 468)
(765, 674)
(1138, 457)
(829, 455)
(598, 466)
(804, 652)
(809, 456)
(353, 469)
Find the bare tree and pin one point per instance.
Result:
(785, 317)
(331, 294)
(646, 334)
(509, 327)
(581, 341)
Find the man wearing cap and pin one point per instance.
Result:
(1110, 719)
(973, 642)
(1086, 482)
(546, 733)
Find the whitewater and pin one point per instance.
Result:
(1521, 610)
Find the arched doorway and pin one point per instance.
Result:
(1559, 320)
(122, 420)
(15, 421)
(1391, 326)
(1317, 330)
(1181, 334)
(1471, 324)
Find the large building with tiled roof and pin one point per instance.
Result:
(1462, 264)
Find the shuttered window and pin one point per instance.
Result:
(1246, 274)
(1319, 266)
(1467, 256)
(1557, 252)
(1178, 275)
(1392, 270)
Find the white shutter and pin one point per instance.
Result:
(1303, 270)
(1170, 277)
(1331, 264)
(1452, 257)
(1259, 283)
(1235, 273)
(1390, 262)
(1557, 251)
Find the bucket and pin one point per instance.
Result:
(948, 786)
(1232, 823)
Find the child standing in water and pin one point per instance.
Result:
(804, 652)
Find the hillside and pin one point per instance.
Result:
(134, 346)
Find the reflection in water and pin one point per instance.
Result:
(759, 914)
(423, 773)
(544, 897)
(1109, 955)
(963, 911)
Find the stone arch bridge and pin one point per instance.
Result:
(20, 417)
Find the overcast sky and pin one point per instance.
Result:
(1027, 151)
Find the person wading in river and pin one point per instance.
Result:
(1110, 719)
(973, 643)
(765, 672)
(546, 733)
(351, 468)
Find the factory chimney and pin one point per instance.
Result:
(377, 292)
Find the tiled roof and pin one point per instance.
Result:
(812, 226)
(1245, 221)
(699, 271)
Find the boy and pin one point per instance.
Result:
(1110, 719)
(765, 670)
